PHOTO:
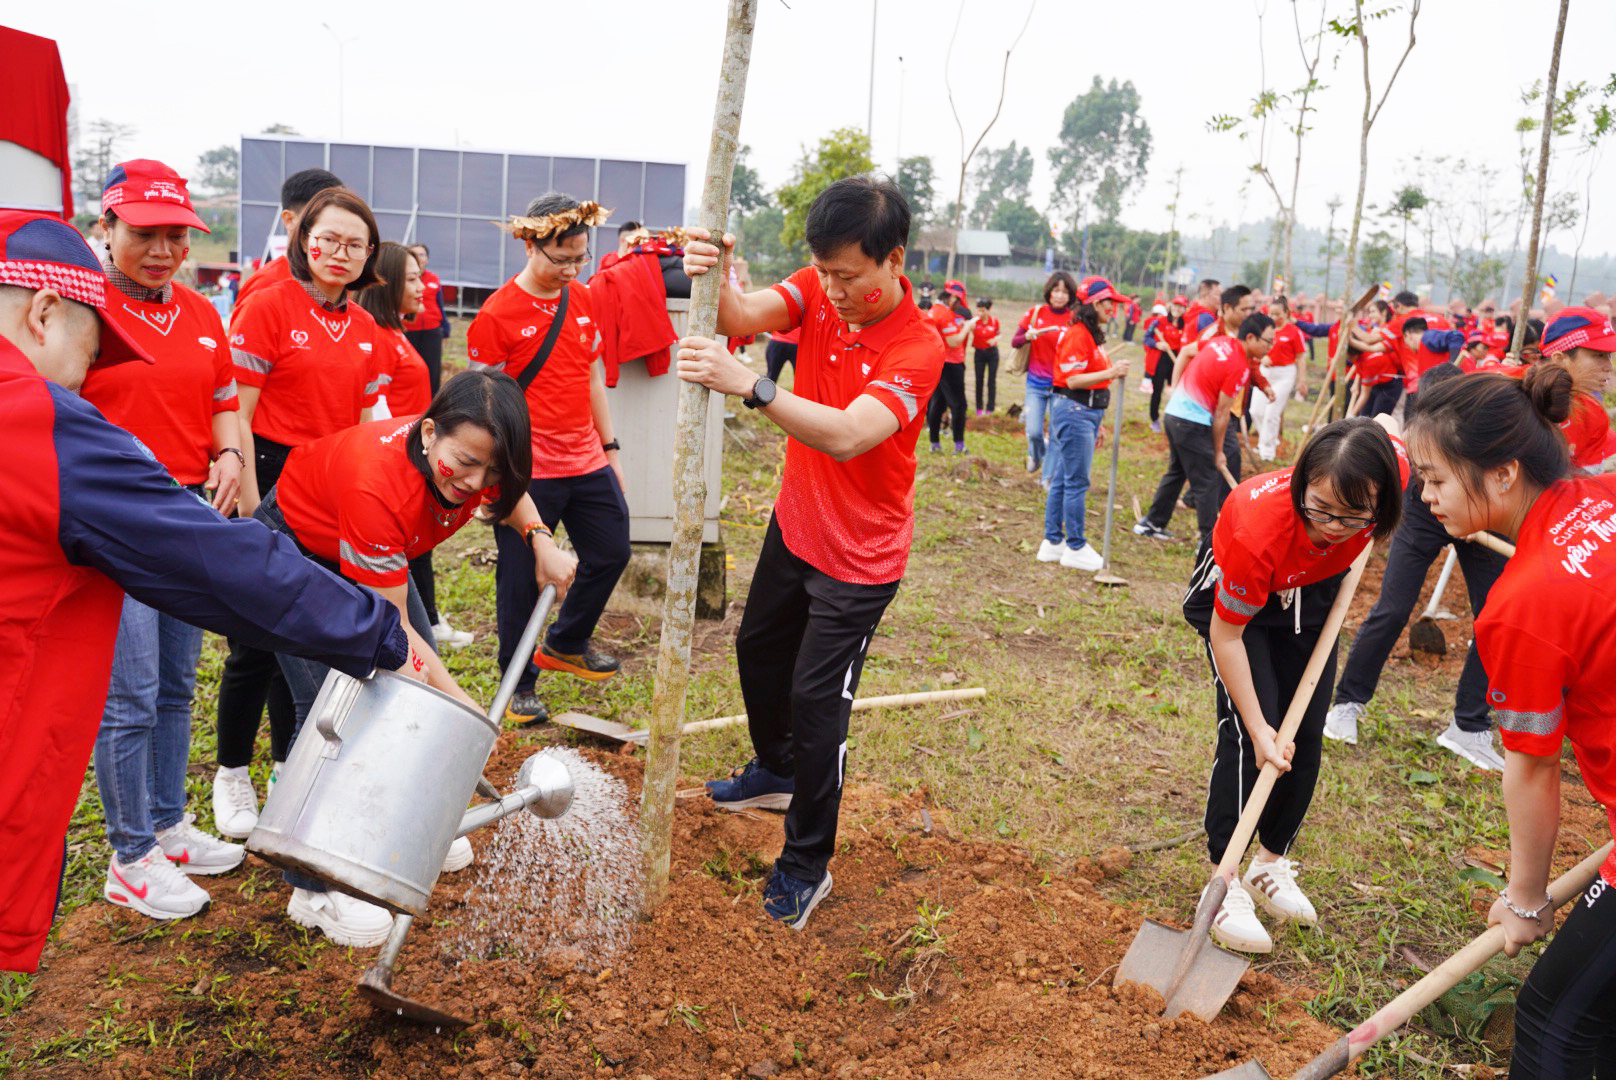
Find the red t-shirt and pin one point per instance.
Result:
(1289, 343)
(507, 333)
(271, 273)
(987, 328)
(1547, 637)
(405, 380)
(169, 405)
(317, 367)
(1196, 320)
(946, 322)
(1587, 431)
(1041, 350)
(1416, 361)
(1077, 354)
(785, 337)
(430, 317)
(854, 520)
(356, 498)
(1383, 366)
(1261, 546)
(1220, 368)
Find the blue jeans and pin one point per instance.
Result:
(144, 743)
(1032, 415)
(1075, 427)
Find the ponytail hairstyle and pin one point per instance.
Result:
(1087, 316)
(493, 401)
(1358, 460)
(1481, 422)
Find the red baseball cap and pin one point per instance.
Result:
(1181, 301)
(1093, 290)
(39, 252)
(1476, 337)
(148, 193)
(1579, 328)
(958, 289)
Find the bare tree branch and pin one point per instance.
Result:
(1530, 283)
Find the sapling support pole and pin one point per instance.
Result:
(689, 488)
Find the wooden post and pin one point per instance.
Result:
(689, 488)
(1530, 285)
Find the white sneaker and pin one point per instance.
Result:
(459, 857)
(1273, 885)
(1341, 722)
(344, 919)
(1475, 747)
(1083, 558)
(153, 886)
(1048, 552)
(450, 637)
(1235, 926)
(235, 803)
(1144, 386)
(195, 852)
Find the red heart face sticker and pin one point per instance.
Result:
(444, 470)
(872, 296)
(315, 252)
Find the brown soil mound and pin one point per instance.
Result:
(1011, 979)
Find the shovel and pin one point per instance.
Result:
(1104, 576)
(376, 986)
(1425, 635)
(1190, 973)
(1444, 977)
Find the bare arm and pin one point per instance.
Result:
(1532, 798)
(224, 475)
(1220, 428)
(250, 495)
(1117, 370)
(1234, 668)
(739, 313)
(437, 676)
(841, 433)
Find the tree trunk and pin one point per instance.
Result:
(1530, 284)
(1405, 253)
(689, 486)
(1350, 256)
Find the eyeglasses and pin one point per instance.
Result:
(336, 245)
(1324, 517)
(579, 262)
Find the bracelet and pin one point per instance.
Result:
(231, 450)
(613, 445)
(533, 527)
(1520, 912)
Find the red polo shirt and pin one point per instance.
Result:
(1547, 637)
(316, 366)
(1261, 546)
(506, 335)
(1289, 343)
(854, 520)
(273, 272)
(946, 322)
(356, 498)
(1077, 354)
(1587, 431)
(430, 317)
(1220, 368)
(170, 405)
(986, 329)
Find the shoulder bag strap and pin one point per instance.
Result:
(536, 365)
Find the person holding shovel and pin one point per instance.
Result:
(1259, 596)
(839, 539)
(1491, 457)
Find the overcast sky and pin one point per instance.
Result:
(636, 78)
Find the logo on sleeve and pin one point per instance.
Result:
(529, 331)
(207, 342)
(241, 339)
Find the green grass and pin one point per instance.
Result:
(1097, 730)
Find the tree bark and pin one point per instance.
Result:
(1530, 284)
(689, 486)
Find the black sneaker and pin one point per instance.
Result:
(1145, 528)
(526, 708)
(788, 900)
(588, 664)
(752, 785)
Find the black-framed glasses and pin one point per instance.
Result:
(336, 245)
(578, 262)
(1324, 517)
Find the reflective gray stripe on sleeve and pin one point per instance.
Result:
(478, 365)
(376, 564)
(244, 359)
(1531, 723)
(1234, 603)
(796, 294)
(909, 405)
(225, 393)
(375, 385)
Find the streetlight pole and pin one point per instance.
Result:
(869, 116)
(342, 83)
(898, 138)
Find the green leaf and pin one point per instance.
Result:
(1420, 776)
(974, 737)
(1481, 877)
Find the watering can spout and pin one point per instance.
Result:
(553, 779)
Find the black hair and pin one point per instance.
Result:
(1060, 277)
(630, 226)
(300, 187)
(868, 211)
(1435, 376)
(1281, 302)
(1358, 460)
(1534, 332)
(1385, 310)
(1509, 324)
(1483, 421)
(984, 301)
(554, 202)
(1210, 283)
(1406, 299)
(1089, 317)
(420, 245)
(1415, 325)
(385, 299)
(297, 256)
(493, 401)
(1232, 296)
(1255, 325)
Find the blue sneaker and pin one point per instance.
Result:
(791, 901)
(752, 785)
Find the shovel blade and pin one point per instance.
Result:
(1106, 577)
(1251, 1070)
(1153, 959)
(1426, 636)
(375, 989)
(594, 725)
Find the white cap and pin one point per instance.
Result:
(1159, 309)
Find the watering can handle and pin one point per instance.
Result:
(335, 700)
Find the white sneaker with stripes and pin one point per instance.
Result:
(1273, 885)
(1235, 926)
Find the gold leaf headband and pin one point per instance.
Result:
(537, 228)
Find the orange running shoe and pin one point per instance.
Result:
(589, 664)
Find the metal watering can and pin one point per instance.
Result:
(375, 789)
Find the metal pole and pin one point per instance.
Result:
(869, 115)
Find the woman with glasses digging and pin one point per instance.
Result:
(1260, 594)
(539, 329)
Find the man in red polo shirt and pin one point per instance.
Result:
(427, 329)
(839, 540)
(951, 317)
(296, 192)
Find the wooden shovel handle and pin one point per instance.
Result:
(1293, 715)
(1493, 543)
(1228, 477)
(1444, 977)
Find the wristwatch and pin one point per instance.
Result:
(762, 394)
(613, 445)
